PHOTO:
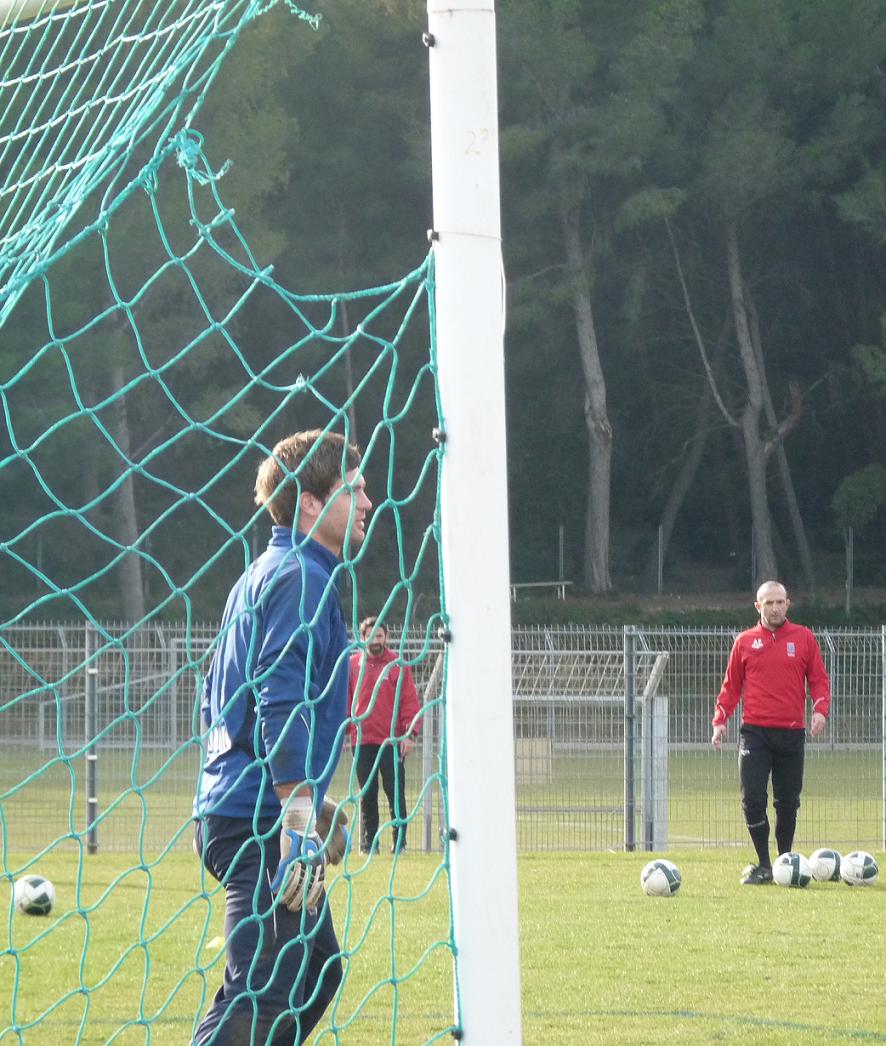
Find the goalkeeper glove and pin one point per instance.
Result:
(301, 872)
(332, 829)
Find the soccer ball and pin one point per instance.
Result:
(858, 869)
(33, 895)
(825, 865)
(791, 869)
(660, 878)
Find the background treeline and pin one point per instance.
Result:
(694, 211)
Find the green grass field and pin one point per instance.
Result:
(146, 801)
(135, 954)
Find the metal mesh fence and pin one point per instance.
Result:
(589, 772)
(143, 742)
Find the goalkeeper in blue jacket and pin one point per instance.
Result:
(273, 713)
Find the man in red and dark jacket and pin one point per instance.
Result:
(385, 710)
(770, 667)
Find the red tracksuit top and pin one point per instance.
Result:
(382, 710)
(771, 670)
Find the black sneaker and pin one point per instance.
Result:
(756, 875)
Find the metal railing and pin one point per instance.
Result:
(611, 731)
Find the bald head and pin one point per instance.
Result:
(772, 604)
(770, 586)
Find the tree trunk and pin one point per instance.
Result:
(755, 448)
(683, 481)
(698, 441)
(130, 577)
(781, 459)
(596, 546)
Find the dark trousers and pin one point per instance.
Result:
(372, 762)
(764, 752)
(283, 968)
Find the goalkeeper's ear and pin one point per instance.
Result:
(331, 827)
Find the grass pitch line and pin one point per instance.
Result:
(857, 1035)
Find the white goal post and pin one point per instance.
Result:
(470, 345)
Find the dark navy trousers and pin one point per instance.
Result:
(283, 968)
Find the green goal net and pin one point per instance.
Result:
(139, 393)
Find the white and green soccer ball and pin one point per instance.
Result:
(825, 865)
(33, 895)
(660, 878)
(791, 869)
(859, 869)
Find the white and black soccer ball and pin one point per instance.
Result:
(33, 895)
(660, 878)
(825, 865)
(791, 869)
(859, 869)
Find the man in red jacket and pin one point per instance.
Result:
(385, 710)
(770, 666)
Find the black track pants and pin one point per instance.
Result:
(766, 751)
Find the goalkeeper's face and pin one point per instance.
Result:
(341, 523)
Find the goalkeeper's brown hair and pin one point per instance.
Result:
(304, 463)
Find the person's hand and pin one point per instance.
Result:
(406, 746)
(298, 882)
(332, 827)
(718, 735)
(819, 722)
(301, 872)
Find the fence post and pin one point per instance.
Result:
(169, 660)
(62, 729)
(832, 664)
(91, 746)
(630, 674)
(431, 734)
(550, 649)
(848, 538)
(654, 748)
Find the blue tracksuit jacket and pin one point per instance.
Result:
(275, 699)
